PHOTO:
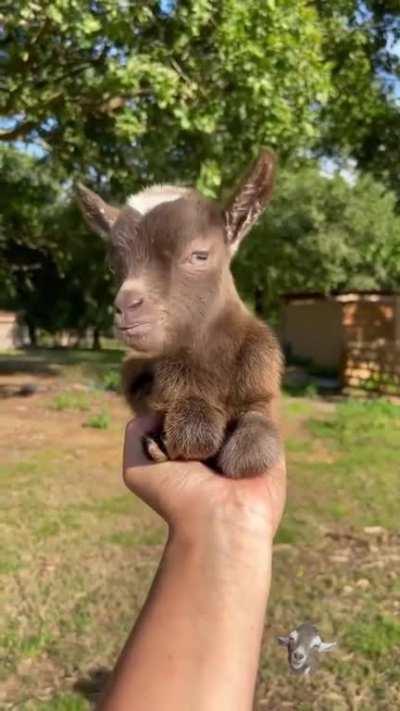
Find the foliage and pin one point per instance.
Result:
(55, 272)
(27, 198)
(111, 86)
(106, 88)
(322, 234)
(100, 421)
(71, 401)
(123, 94)
(362, 118)
(111, 380)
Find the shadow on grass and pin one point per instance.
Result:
(52, 361)
(24, 363)
(93, 685)
(17, 391)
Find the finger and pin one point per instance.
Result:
(165, 486)
(277, 485)
(278, 473)
(151, 482)
(268, 492)
(156, 484)
(134, 453)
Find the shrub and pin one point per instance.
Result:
(100, 421)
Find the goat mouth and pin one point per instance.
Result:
(298, 665)
(137, 328)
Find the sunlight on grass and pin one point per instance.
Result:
(357, 421)
(65, 702)
(100, 421)
(360, 479)
(115, 505)
(374, 636)
(79, 551)
(149, 537)
(79, 402)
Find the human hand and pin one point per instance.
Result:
(189, 495)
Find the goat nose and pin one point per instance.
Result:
(127, 300)
(298, 656)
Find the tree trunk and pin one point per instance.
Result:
(96, 342)
(32, 334)
(259, 300)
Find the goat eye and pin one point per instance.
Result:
(198, 257)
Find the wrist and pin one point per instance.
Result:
(233, 517)
(229, 570)
(233, 541)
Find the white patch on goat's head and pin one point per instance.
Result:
(147, 199)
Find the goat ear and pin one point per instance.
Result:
(250, 199)
(283, 641)
(326, 646)
(98, 215)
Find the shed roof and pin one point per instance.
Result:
(341, 296)
(8, 316)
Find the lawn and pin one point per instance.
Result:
(78, 552)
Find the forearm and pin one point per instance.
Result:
(196, 644)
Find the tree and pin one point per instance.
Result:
(123, 94)
(322, 234)
(133, 92)
(54, 271)
(108, 87)
(26, 194)
(362, 118)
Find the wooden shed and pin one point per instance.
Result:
(356, 333)
(12, 334)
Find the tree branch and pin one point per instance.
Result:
(18, 131)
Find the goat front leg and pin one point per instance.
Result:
(251, 448)
(193, 429)
(154, 446)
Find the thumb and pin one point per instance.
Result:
(164, 486)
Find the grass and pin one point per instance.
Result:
(355, 420)
(362, 440)
(308, 390)
(79, 552)
(111, 380)
(375, 636)
(64, 702)
(100, 421)
(79, 402)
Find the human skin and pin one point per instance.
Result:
(196, 643)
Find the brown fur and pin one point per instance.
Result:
(207, 365)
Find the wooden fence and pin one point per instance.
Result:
(373, 368)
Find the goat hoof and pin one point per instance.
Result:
(154, 449)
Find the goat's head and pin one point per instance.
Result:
(171, 248)
(302, 644)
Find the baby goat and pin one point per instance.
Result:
(198, 357)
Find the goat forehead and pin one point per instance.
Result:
(177, 222)
(150, 197)
(307, 631)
